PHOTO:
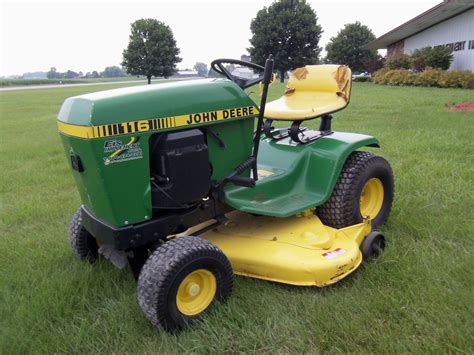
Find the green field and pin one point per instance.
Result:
(417, 297)
(31, 82)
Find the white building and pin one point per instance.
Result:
(244, 73)
(449, 24)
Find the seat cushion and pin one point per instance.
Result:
(304, 106)
(312, 91)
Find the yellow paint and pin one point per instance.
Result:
(155, 124)
(264, 173)
(312, 92)
(371, 198)
(76, 131)
(306, 213)
(288, 250)
(196, 292)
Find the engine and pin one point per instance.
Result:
(180, 169)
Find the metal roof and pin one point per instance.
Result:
(435, 15)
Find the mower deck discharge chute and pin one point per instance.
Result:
(175, 181)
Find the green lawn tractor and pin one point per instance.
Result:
(191, 182)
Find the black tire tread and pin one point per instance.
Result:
(338, 211)
(82, 242)
(159, 272)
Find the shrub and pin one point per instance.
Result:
(399, 77)
(375, 64)
(393, 77)
(429, 77)
(379, 76)
(439, 57)
(457, 79)
(362, 79)
(418, 59)
(401, 61)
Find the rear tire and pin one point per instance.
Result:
(182, 280)
(365, 186)
(82, 242)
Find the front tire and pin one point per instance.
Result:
(83, 244)
(182, 280)
(365, 188)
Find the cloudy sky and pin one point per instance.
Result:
(91, 34)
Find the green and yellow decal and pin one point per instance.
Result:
(154, 124)
(117, 153)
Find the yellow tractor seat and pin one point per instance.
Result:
(312, 91)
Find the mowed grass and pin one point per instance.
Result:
(417, 297)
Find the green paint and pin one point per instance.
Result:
(303, 175)
(119, 193)
(153, 101)
(238, 137)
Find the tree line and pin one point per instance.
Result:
(287, 29)
(109, 72)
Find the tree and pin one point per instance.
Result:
(52, 74)
(348, 47)
(112, 72)
(374, 64)
(288, 29)
(71, 74)
(213, 74)
(152, 50)
(201, 68)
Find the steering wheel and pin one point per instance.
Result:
(218, 66)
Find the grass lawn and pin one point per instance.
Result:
(417, 297)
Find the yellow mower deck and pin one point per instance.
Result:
(298, 250)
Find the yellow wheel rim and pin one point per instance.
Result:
(371, 198)
(196, 292)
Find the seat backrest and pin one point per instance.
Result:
(322, 78)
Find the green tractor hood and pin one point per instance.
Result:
(158, 101)
(106, 138)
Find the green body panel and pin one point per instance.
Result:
(295, 177)
(120, 193)
(158, 100)
(238, 138)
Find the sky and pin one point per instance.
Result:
(91, 34)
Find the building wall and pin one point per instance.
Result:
(395, 49)
(457, 32)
